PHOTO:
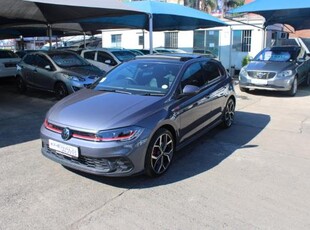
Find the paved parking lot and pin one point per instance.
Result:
(252, 176)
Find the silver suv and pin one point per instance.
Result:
(61, 72)
(280, 68)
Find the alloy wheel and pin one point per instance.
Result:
(229, 113)
(162, 153)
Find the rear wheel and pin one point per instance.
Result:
(159, 153)
(60, 90)
(229, 113)
(21, 85)
(292, 92)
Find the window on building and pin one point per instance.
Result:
(116, 40)
(171, 39)
(206, 41)
(141, 40)
(242, 40)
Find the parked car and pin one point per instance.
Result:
(137, 116)
(280, 68)
(61, 72)
(147, 51)
(107, 59)
(168, 50)
(22, 53)
(207, 53)
(8, 61)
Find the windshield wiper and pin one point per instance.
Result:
(153, 94)
(116, 91)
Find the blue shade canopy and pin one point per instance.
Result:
(168, 16)
(292, 12)
(59, 11)
(165, 16)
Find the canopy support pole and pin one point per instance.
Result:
(151, 32)
(84, 34)
(49, 33)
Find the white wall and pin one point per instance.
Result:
(228, 56)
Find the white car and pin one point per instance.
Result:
(8, 61)
(106, 59)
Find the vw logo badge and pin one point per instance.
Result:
(66, 134)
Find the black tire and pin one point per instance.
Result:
(159, 153)
(307, 80)
(292, 92)
(60, 90)
(229, 113)
(21, 85)
(243, 89)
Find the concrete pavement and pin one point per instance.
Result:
(252, 176)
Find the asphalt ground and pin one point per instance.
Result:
(254, 175)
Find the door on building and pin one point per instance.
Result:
(207, 42)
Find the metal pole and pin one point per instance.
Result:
(230, 49)
(84, 39)
(151, 32)
(49, 32)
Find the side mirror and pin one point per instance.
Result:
(108, 62)
(189, 90)
(48, 67)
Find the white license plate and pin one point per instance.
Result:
(64, 149)
(259, 81)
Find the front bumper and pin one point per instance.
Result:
(273, 84)
(110, 159)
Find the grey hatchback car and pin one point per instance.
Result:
(61, 72)
(280, 68)
(136, 117)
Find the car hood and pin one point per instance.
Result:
(269, 66)
(90, 110)
(85, 71)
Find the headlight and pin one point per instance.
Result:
(122, 134)
(243, 72)
(73, 78)
(285, 73)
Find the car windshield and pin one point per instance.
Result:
(66, 60)
(276, 55)
(146, 77)
(124, 55)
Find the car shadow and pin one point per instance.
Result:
(21, 115)
(200, 156)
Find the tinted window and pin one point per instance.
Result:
(7, 54)
(29, 59)
(90, 55)
(42, 61)
(123, 55)
(201, 73)
(212, 71)
(103, 57)
(193, 76)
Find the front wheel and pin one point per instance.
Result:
(60, 90)
(229, 113)
(159, 153)
(292, 92)
(21, 85)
